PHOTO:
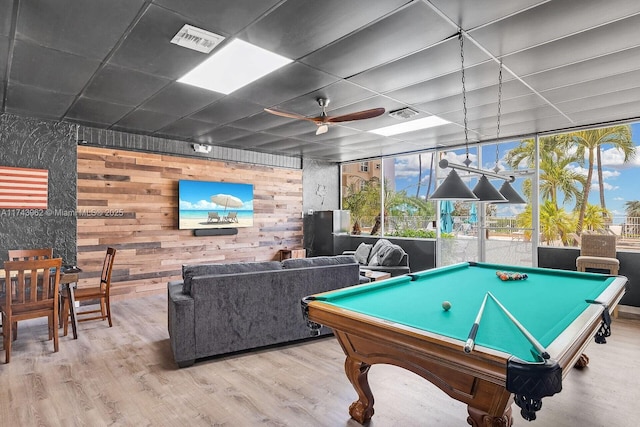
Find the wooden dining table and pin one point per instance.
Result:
(68, 283)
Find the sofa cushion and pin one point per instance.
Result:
(191, 271)
(362, 253)
(318, 261)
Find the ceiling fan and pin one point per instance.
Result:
(323, 120)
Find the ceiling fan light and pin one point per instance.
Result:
(510, 194)
(487, 192)
(453, 188)
(322, 129)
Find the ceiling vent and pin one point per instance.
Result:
(201, 148)
(403, 113)
(196, 39)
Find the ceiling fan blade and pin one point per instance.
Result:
(360, 115)
(322, 129)
(289, 115)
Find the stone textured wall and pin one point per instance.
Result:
(320, 192)
(38, 144)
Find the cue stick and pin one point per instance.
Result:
(474, 329)
(539, 348)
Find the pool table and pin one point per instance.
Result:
(401, 321)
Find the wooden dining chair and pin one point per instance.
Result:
(30, 254)
(100, 293)
(30, 291)
(26, 255)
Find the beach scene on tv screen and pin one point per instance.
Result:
(207, 204)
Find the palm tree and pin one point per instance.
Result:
(555, 175)
(595, 217)
(362, 202)
(589, 142)
(632, 208)
(554, 222)
(623, 144)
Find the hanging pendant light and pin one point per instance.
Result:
(453, 188)
(487, 192)
(510, 194)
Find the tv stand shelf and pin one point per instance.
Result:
(291, 253)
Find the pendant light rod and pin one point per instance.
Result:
(444, 163)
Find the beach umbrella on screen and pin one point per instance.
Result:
(227, 200)
(473, 214)
(446, 220)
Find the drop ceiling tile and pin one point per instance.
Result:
(5, 18)
(226, 110)
(186, 128)
(584, 71)
(599, 114)
(145, 121)
(226, 16)
(470, 14)
(255, 139)
(29, 100)
(86, 28)
(305, 26)
(148, 46)
(123, 86)
(548, 22)
(511, 90)
(436, 61)
(32, 64)
(96, 111)
(576, 48)
(180, 99)
(292, 128)
(222, 134)
(397, 35)
(288, 82)
(260, 121)
(604, 86)
(476, 78)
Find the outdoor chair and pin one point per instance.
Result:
(598, 251)
(231, 217)
(213, 217)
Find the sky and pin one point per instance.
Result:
(619, 180)
(196, 195)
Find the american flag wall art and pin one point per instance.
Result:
(23, 188)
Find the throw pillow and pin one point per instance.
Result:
(362, 253)
(391, 256)
(373, 256)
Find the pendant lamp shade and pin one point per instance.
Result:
(510, 194)
(487, 192)
(453, 188)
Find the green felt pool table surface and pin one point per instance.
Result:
(545, 303)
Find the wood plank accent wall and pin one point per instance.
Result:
(129, 200)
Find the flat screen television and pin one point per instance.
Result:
(209, 204)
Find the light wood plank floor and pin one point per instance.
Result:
(125, 376)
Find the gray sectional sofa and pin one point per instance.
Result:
(223, 308)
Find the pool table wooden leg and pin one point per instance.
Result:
(478, 418)
(362, 409)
